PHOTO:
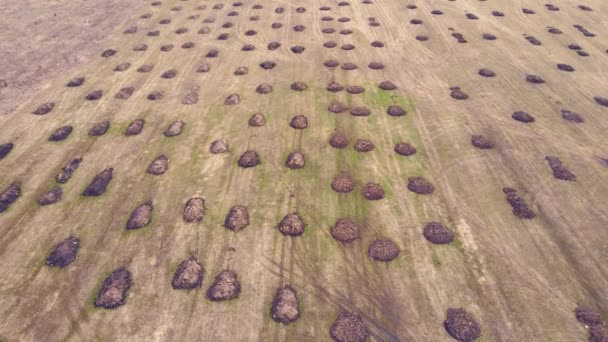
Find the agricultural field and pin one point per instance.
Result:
(348, 170)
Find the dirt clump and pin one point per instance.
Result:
(458, 94)
(267, 65)
(189, 275)
(360, 111)
(298, 86)
(237, 218)
(355, 89)
(181, 30)
(61, 133)
(519, 205)
(9, 196)
(420, 186)
(349, 66)
(487, 73)
(141, 216)
(559, 170)
(534, 79)
(250, 33)
(155, 33)
(174, 129)
(113, 292)
(375, 66)
(523, 117)
(488, 36)
(52, 196)
(94, 95)
(335, 87)
(343, 19)
(99, 184)
(377, 44)
(135, 127)
(364, 145)
(481, 142)
(554, 30)
(64, 253)
(66, 173)
(565, 67)
(533, 40)
(405, 149)
(249, 158)
(145, 68)
(273, 46)
(292, 225)
(343, 183)
(297, 49)
(204, 30)
(471, 16)
(588, 316)
(338, 140)
(461, 325)
(498, 14)
(194, 210)
(285, 307)
(241, 71)
(346, 31)
(158, 166)
(347, 47)
(225, 287)
(436, 233)
(383, 250)
(124, 93)
(108, 53)
(122, 67)
(169, 74)
(295, 160)
(571, 116)
(219, 146)
(602, 101)
(299, 28)
(331, 63)
(44, 108)
(373, 191)
(337, 107)
(166, 47)
(387, 85)
(345, 230)
(328, 30)
(99, 128)
(75, 82)
(232, 99)
(395, 110)
(299, 122)
(5, 149)
(349, 327)
(213, 53)
(257, 120)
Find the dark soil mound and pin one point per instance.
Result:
(383, 250)
(422, 38)
(141, 216)
(343, 182)
(436, 12)
(349, 327)
(387, 85)
(324, 8)
(257, 120)
(66, 173)
(375, 66)
(279, 10)
(124, 93)
(327, 18)
(298, 86)
(458, 94)
(299, 28)
(349, 66)
(572, 116)
(145, 68)
(559, 170)
(108, 53)
(158, 166)
(299, 122)
(181, 30)
(135, 127)
(194, 210)
(213, 53)
(360, 111)
(331, 63)
(267, 65)
(347, 47)
(481, 142)
(44, 108)
(335, 87)
(61, 133)
(585, 8)
(223, 36)
(264, 88)
(554, 30)
(346, 32)
(273, 46)
(204, 30)
(219, 146)
(345, 230)
(534, 79)
(487, 73)
(328, 30)
(52, 196)
(472, 16)
(225, 287)
(338, 140)
(565, 67)
(113, 292)
(343, 19)
(64, 253)
(551, 7)
(164, 21)
(373, 191)
(355, 89)
(122, 67)
(249, 159)
(459, 37)
(488, 36)
(405, 149)
(189, 275)
(241, 71)
(436, 233)
(99, 128)
(292, 225)
(602, 101)
(461, 325)
(285, 307)
(533, 40)
(99, 183)
(520, 207)
(9, 196)
(395, 111)
(364, 145)
(297, 49)
(250, 33)
(5, 149)
(295, 160)
(232, 99)
(237, 218)
(174, 129)
(523, 117)
(337, 107)
(169, 74)
(154, 33)
(588, 316)
(420, 186)
(300, 10)
(498, 14)
(377, 44)
(166, 47)
(94, 95)
(75, 82)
